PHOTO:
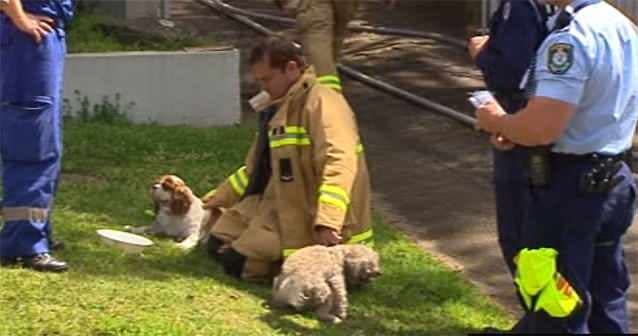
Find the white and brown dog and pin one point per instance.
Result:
(178, 213)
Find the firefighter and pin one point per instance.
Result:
(322, 26)
(305, 179)
(571, 274)
(32, 50)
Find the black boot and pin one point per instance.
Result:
(233, 262)
(213, 246)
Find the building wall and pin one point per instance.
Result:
(170, 88)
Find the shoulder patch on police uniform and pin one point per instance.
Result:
(507, 10)
(560, 58)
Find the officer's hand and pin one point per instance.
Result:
(501, 143)
(37, 26)
(476, 44)
(327, 236)
(488, 117)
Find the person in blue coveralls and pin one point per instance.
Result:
(571, 274)
(32, 50)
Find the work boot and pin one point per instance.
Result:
(44, 262)
(213, 246)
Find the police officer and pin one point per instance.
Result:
(517, 29)
(32, 51)
(572, 274)
(504, 56)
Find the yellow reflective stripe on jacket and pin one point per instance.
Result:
(239, 181)
(364, 238)
(209, 194)
(361, 237)
(291, 136)
(334, 195)
(287, 252)
(330, 81)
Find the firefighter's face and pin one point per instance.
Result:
(275, 81)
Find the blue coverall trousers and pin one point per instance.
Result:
(30, 136)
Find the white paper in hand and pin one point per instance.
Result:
(479, 98)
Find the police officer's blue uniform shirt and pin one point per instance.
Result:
(576, 66)
(519, 23)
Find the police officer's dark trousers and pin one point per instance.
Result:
(30, 136)
(586, 228)
(511, 190)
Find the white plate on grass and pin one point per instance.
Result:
(128, 242)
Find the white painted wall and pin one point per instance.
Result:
(171, 88)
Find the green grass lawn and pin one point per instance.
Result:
(107, 172)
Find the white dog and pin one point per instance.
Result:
(178, 213)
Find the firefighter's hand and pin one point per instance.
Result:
(327, 236)
(36, 26)
(212, 203)
(501, 143)
(476, 44)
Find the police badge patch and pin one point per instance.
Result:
(560, 58)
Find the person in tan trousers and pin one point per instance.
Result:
(322, 26)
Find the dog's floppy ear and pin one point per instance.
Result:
(181, 200)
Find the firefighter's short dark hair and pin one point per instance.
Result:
(279, 51)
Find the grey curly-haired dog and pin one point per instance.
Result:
(316, 278)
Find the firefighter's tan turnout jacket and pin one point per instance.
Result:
(319, 177)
